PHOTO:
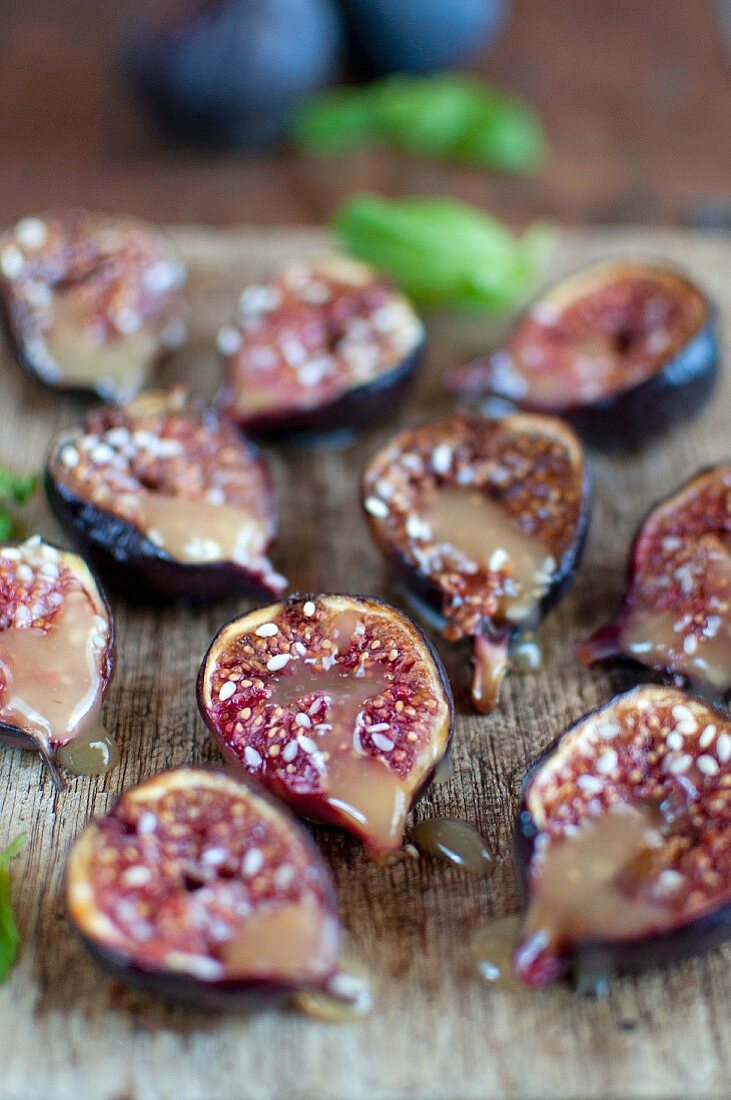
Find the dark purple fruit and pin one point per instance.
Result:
(227, 73)
(325, 346)
(484, 521)
(419, 36)
(337, 704)
(90, 302)
(56, 658)
(624, 838)
(199, 887)
(675, 617)
(624, 350)
(167, 499)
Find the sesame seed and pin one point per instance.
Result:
(31, 233)
(11, 262)
(498, 559)
(678, 764)
(690, 644)
(22, 616)
(723, 747)
(674, 740)
(214, 857)
(136, 876)
(227, 690)
(252, 862)
(385, 744)
(284, 876)
(441, 458)
(303, 721)
(267, 630)
(252, 757)
(101, 453)
(290, 751)
(590, 784)
(607, 762)
(706, 738)
(376, 507)
(279, 661)
(306, 743)
(379, 727)
(308, 609)
(682, 713)
(707, 765)
(70, 457)
(147, 823)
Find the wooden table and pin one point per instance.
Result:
(635, 95)
(437, 1031)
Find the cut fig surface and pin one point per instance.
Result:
(56, 658)
(624, 838)
(337, 704)
(323, 347)
(199, 887)
(623, 349)
(91, 302)
(675, 617)
(168, 499)
(483, 520)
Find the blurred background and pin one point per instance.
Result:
(106, 104)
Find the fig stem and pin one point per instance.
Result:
(490, 663)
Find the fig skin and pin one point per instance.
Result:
(603, 956)
(313, 803)
(71, 225)
(429, 597)
(605, 644)
(241, 993)
(638, 413)
(137, 567)
(13, 736)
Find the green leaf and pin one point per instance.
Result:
(16, 488)
(9, 934)
(6, 526)
(446, 116)
(443, 252)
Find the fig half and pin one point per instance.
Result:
(56, 658)
(623, 349)
(200, 888)
(675, 617)
(90, 302)
(324, 347)
(624, 838)
(484, 521)
(337, 704)
(167, 499)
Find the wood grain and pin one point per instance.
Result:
(437, 1031)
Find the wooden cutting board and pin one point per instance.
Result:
(66, 1030)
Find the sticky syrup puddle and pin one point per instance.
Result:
(456, 842)
(53, 691)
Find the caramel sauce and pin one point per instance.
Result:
(360, 787)
(592, 883)
(649, 637)
(479, 528)
(294, 942)
(198, 531)
(53, 687)
(455, 842)
(492, 952)
(444, 772)
(347, 997)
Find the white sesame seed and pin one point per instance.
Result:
(31, 233)
(289, 751)
(279, 661)
(707, 765)
(706, 738)
(284, 876)
(723, 747)
(303, 721)
(306, 743)
(22, 616)
(590, 784)
(146, 823)
(441, 458)
(308, 609)
(379, 727)
(669, 880)
(252, 862)
(136, 876)
(299, 649)
(674, 740)
(169, 448)
(385, 744)
(498, 559)
(11, 553)
(376, 507)
(101, 453)
(690, 644)
(70, 457)
(607, 762)
(11, 262)
(678, 764)
(266, 630)
(252, 757)
(682, 713)
(227, 690)
(214, 857)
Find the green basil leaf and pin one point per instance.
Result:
(9, 934)
(16, 488)
(6, 526)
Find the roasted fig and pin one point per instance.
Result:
(56, 658)
(675, 617)
(90, 302)
(199, 887)
(484, 521)
(167, 499)
(624, 838)
(624, 350)
(338, 704)
(325, 346)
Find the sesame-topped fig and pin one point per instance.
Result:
(56, 658)
(623, 349)
(675, 616)
(337, 704)
(200, 888)
(168, 499)
(325, 346)
(91, 302)
(484, 522)
(624, 838)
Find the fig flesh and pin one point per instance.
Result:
(624, 350)
(56, 658)
(623, 838)
(90, 302)
(325, 346)
(337, 704)
(198, 887)
(675, 617)
(167, 499)
(484, 522)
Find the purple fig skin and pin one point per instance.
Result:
(601, 956)
(14, 737)
(251, 994)
(314, 806)
(353, 411)
(633, 417)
